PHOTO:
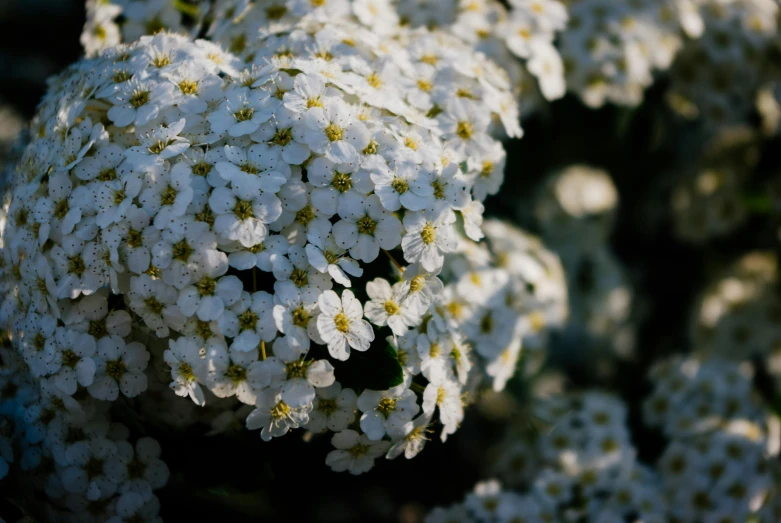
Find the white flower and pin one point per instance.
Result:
(355, 453)
(339, 188)
(409, 438)
(546, 64)
(139, 470)
(256, 168)
(168, 195)
(429, 237)
(293, 318)
(155, 302)
(39, 348)
(242, 112)
(367, 231)
(268, 256)
(212, 292)
(119, 367)
(139, 101)
(249, 321)
(376, 14)
(227, 373)
(328, 257)
(386, 307)
(407, 185)
(303, 279)
(178, 253)
(422, 287)
(465, 126)
(114, 198)
(188, 369)
(386, 411)
(72, 363)
(334, 409)
(159, 144)
(341, 324)
(195, 86)
(242, 214)
(88, 473)
(334, 131)
(308, 91)
(285, 133)
(444, 394)
(275, 417)
(295, 376)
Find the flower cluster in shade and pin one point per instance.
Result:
(577, 465)
(721, 461)
(67, 449)
(718, 74)
(572, 457)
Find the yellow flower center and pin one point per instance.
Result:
(428, 234)
(334, 132)
(342, 322)
(188, 86)
(244, 114)
(464, 130)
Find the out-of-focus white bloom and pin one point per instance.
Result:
(576, 208)
(611, 50)
(718, 75)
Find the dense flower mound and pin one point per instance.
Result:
(89, 468)
(612, 49)
(717, 76)
(508, 294)
(520, 40)
(721, 462)
(708, 198)
(692, 397)
(573, 458)
(265, 234)
(736, 316)
(578, 465)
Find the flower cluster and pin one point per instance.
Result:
(736, 315)
(89, 468)
(584, 470)
(520, 39)
(525, 32)
(576, 208)
(224, 218)
(611, 50)
(717, 76)
(723, 442)
(691, 396)
(508, 294)
(578, 462)
(111, 22)
(708, 195)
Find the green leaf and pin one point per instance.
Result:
(758, 203)
(377, 369)
(187, 9)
